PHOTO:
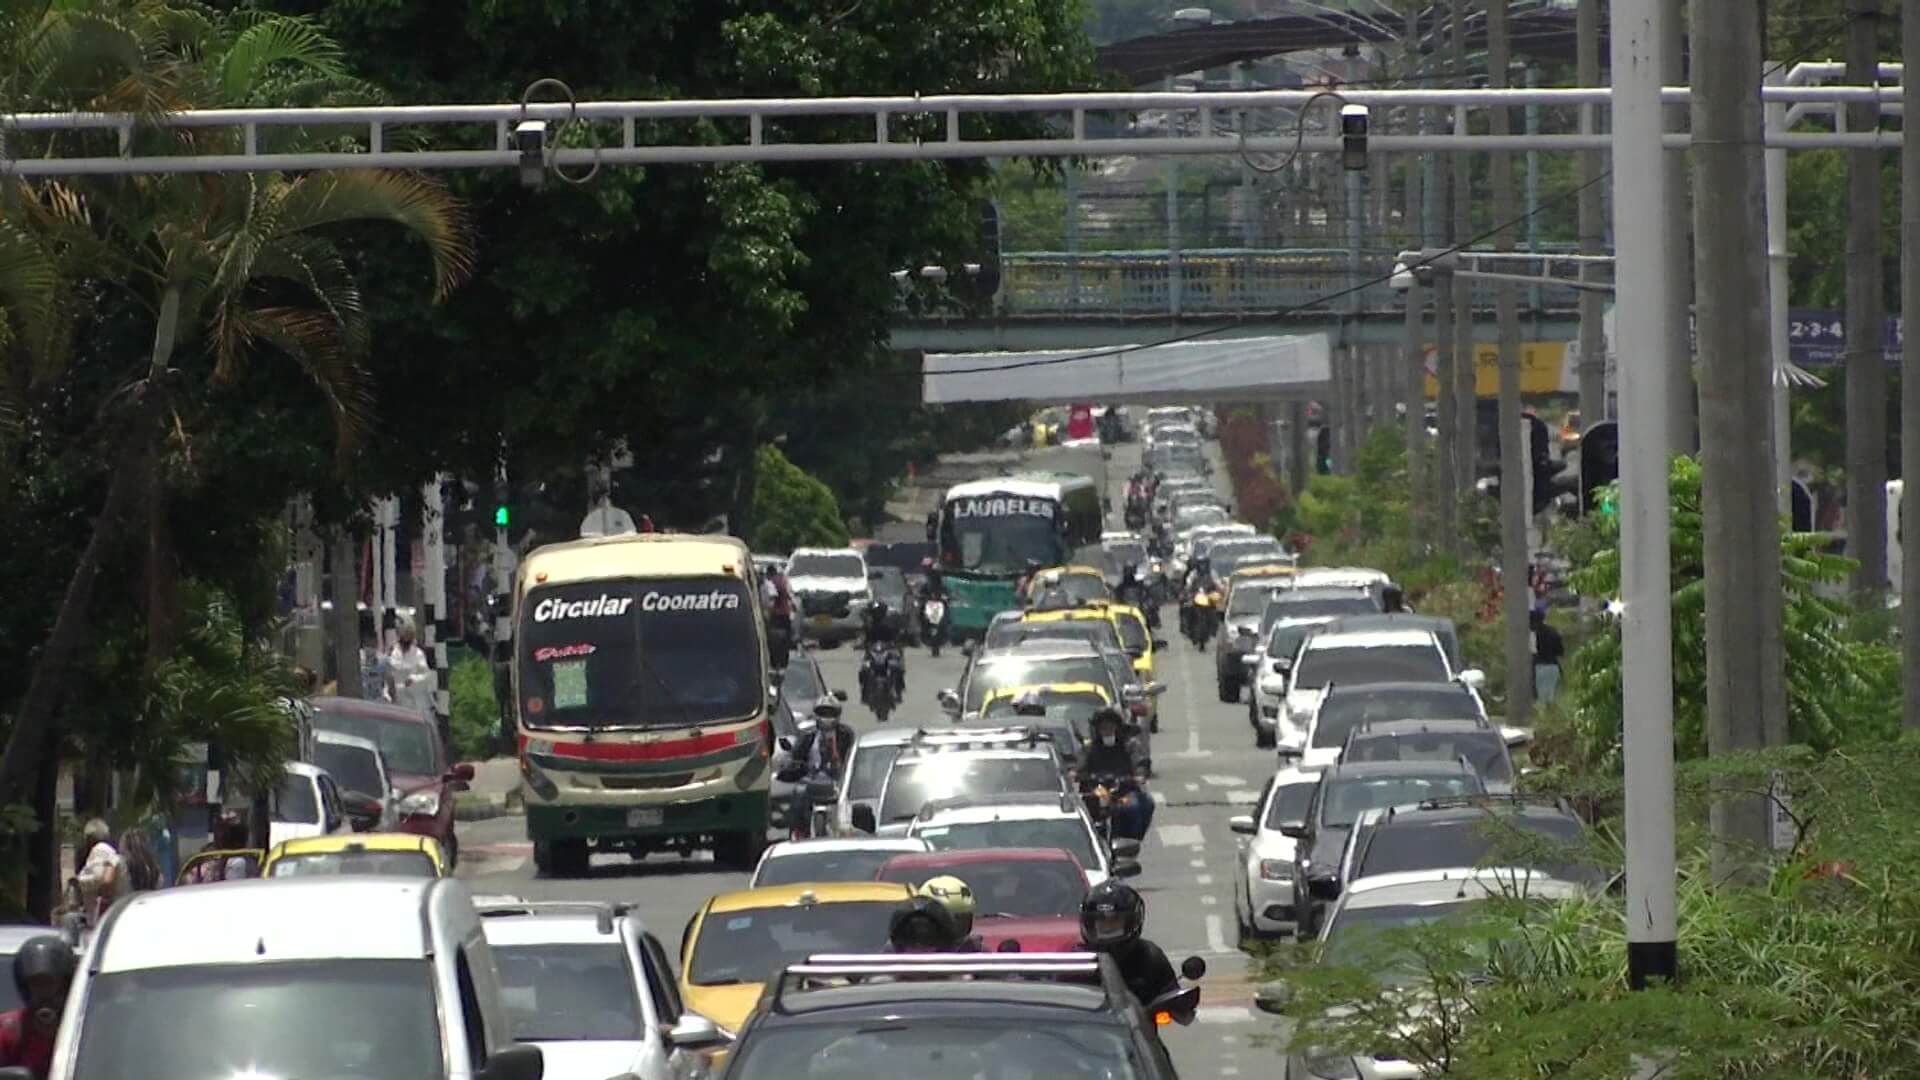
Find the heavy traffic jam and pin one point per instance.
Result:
(723, 865)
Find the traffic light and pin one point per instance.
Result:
(500, 516)
(1802, 508)
(1599, 465)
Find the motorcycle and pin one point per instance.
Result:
(1205, 618)
(883, 679)
(1103, 791)
(933, 619)
(1181, 1005)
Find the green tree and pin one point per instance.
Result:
(792, 509)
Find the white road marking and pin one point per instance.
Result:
(1193, 787)
(1203, 879)
(1229, 1070)
(1216, 934)
(1198, 864)
(1210, 901)
(1243, 798)
(1222, 781)
(1180, 835)
(1225, 1014)
(1194, 754)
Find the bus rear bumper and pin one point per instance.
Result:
(645, 824)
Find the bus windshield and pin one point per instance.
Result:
(999, 534)
(669, 652)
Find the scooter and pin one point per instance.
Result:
(933, 619)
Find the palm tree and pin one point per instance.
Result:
(235, 268)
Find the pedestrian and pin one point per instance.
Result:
(410, 674)
(103, 876)
(373, 668)
(1547, 651)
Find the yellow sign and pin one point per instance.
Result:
(1542, 368)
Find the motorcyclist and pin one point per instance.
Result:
(42, 973)
(1111, 918)
(880, 633)
(818, 755)
(922, 924)
(1131, 590)
(957, 897)
(1107, 754)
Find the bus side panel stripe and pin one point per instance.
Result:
(627, 751)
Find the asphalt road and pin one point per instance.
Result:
(1206, 770)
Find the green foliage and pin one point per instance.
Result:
(1841, 687)
(792, 509)
(475, 715)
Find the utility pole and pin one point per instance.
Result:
(1515, 499)
(1910, 384)
(1682, 414)
(1646, 632)
(1446, 404)
(1593, 342)
(343, 566)
(433, 628)
(1412, 381)
(1465, 376)
(1866, 359)
(1746, 693)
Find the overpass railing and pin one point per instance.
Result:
(1210, 281)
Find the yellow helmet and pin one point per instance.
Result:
(955, 895)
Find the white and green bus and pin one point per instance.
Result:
(992, 531)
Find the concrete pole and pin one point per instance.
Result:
(434, 629)
(1593, 344)
(1412, 382)
(1515, 499)
(1535, 301)
(1866, 360)
(1910, 382)
(1779, 264)
(1646, 633)
(1746, 693)
(1447, 405)
(343, 566)
(1465, 374)
(1682, 412)
(1175, 276)
(387, 567)
(1072, 185)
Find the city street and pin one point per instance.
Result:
(1206, 770)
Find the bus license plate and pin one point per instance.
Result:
(644, 816)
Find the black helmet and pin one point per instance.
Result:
(40, 957)
(879, 609)
(921, 924)
(1112, 916)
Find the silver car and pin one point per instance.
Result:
(1263, 872)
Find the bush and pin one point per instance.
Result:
(792, 509)
(475, 713)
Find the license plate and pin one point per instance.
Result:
(644, 816)
(823, 620)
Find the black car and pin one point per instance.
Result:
(1538, 833)
(876, 1016)
(1345, 792)
(1342, 710)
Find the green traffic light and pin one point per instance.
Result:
(500, 517)
(1607, 506)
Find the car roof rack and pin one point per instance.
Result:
(835, 971)
(603, 913)
(933, 807)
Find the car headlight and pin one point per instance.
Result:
(1332, 1067)
(1276, 870)
(422, 803)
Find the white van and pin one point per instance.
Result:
(320, 977)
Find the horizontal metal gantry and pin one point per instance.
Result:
(897, 128)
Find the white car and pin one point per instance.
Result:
(1263, 873)
(306, 804)
(1022, 821)
(1369, 656)
(838, 858)
(928, 774)
(589, 986)
(1373, 904)
(356, 764)
(831, 590)
(1346, 707)
(875, 750)
(1267, 672)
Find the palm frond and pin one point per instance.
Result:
(320, 344)
(289, 40)
(29, 287)
(410, 200)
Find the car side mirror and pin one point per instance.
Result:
(1155, 689)
(1125, 848)
(1283, 666)
(362, 809)
(1323, 888)
(1273, 998)
(1294, 831)
(1241, 824)
(786, 744)
(695, 1032)
(1474, 678)
(1126, 868)
(864, 820)
(522, 1062)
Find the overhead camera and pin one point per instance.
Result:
(1353, 137)
(530, 138)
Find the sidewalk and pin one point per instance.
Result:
(494, 791)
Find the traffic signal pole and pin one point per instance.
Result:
(1909, 538)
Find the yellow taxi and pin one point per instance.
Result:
(1130, 626)
(1067, 704)
(1261, 570)
(386, 854)
(1081, 583)
(739, 940)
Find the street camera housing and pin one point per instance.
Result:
(530, 138)
(1353, 137)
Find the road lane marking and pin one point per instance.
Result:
(1193, 787)
(1180, 835)
(1243, 798)
(1225, 1014)
(1198, 864)
(1222, 781)
(1229, 1070)
(1203, 879)
(1210, 900)
(1216, 934)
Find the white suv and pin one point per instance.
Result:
(1356, 658)
(830, 589)
(1025, 821)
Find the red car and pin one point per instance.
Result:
(1028, 895)
(424, 781)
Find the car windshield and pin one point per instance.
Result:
(888, 582)
(1359, 664)
(1227, 559)
(845, 566)
(1286, 637)
(1204, 514)
(1356, 938)
(295, 802)
(1118, 553)
(1000, 674)
(846, 864)
(1349, 797)
(1289, 805)
(1251, 599)
(559, 993)
(869, 770)
(999, 534)
(750, 945)
(1484, 749)
(354, 768)
(1066, 833)
(1013, 631)
(951, 776)
(1342, 711)
(1001, 1044)
(407, 745)
(414, 864)
(1017, 888)
(663, 652)
(1551, 844)
(381, 1018)
(1282, 606)
(1063, 707)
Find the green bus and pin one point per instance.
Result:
(992, 531)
